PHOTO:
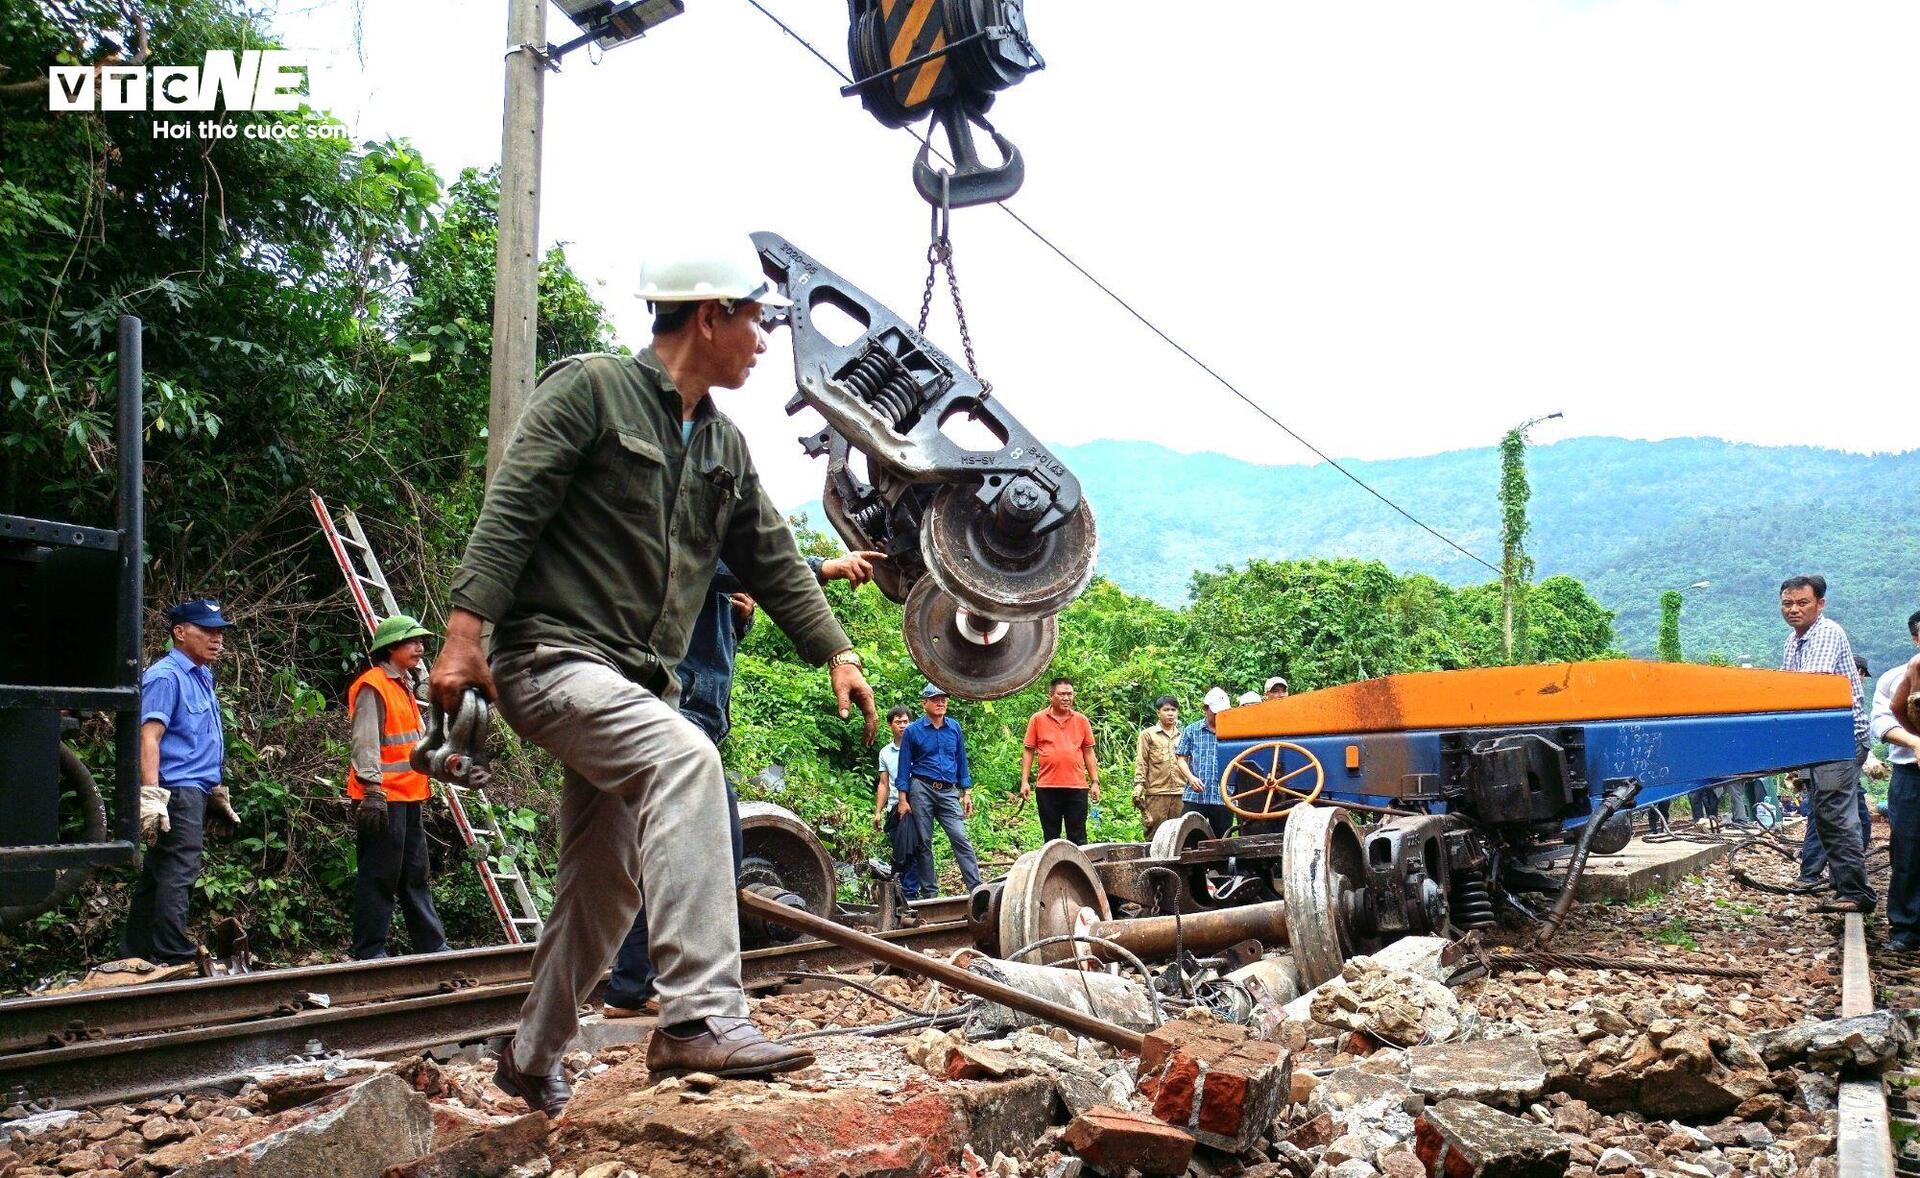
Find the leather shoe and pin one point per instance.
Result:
(1864, 907)
(649, 1008)
(722, 1047)
(544, 1094)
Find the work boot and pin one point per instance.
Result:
(648, 1008)
(544, 1094)
(1864, 907)
(720, 1047)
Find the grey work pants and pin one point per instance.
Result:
(644, 805)
(1836, 819)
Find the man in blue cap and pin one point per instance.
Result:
(181, 748)
(933, 763)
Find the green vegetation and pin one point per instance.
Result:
(1516, 567)
(1676, 933)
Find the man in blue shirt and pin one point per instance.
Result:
(181, 748)
(1197, 753)
(933, 764)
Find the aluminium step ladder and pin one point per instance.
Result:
(494, 858)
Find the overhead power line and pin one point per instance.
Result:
(1153, 327)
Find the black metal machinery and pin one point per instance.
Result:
(1334, 888)
(70, 611)
(946, 58)
(983, 547)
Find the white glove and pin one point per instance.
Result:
(1875, 769)
(153, 813)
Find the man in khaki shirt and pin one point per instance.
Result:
(1156, 777)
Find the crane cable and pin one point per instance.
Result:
(1151, 326)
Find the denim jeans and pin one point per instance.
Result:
(1903, 891)
(932, 803)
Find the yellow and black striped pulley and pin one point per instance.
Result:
(946, 59)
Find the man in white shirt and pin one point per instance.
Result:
(1903, 807)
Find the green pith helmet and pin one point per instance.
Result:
(397, 628)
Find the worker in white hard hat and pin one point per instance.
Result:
(1197, 753)
(622, 489)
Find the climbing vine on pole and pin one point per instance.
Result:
(1516, 567)
(1667, 645)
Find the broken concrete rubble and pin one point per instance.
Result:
(1463, 1139)
(1397, 1006)
(1868, 1042)
(384, 1123)
(1504, 1072)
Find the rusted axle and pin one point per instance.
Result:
(945, 972)
(1198, 932)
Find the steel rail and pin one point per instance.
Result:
(445, 999)
(50, 1020)
(1864, 1139)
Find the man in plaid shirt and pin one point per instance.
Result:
(1819, 646)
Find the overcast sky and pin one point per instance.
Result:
(1401, 227)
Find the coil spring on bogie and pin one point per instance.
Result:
(1472, 900)
(871, 519)
(884, 383)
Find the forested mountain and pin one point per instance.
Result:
(1628, 518)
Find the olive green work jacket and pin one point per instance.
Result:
(601, 527)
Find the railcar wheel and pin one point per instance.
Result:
(1045, 894)
(1022, 579)
(970, 656)
(1325, 874)
(783, 858)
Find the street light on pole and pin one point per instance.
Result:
(516, 278)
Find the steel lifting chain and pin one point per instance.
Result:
(939, 254)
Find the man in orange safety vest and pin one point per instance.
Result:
(388, 795)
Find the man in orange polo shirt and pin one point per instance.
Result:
(1061, 739)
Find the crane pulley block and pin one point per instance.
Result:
(945, 60)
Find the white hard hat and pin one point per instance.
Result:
(1217, 700)
(1249, 697)
(728, 269)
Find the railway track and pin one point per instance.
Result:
(127, 1043)
(1864, 1145)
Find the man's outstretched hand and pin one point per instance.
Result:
(855, 568)
(461, 664)
(850, 688)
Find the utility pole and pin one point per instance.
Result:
(516, 282)
(1516, 568)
